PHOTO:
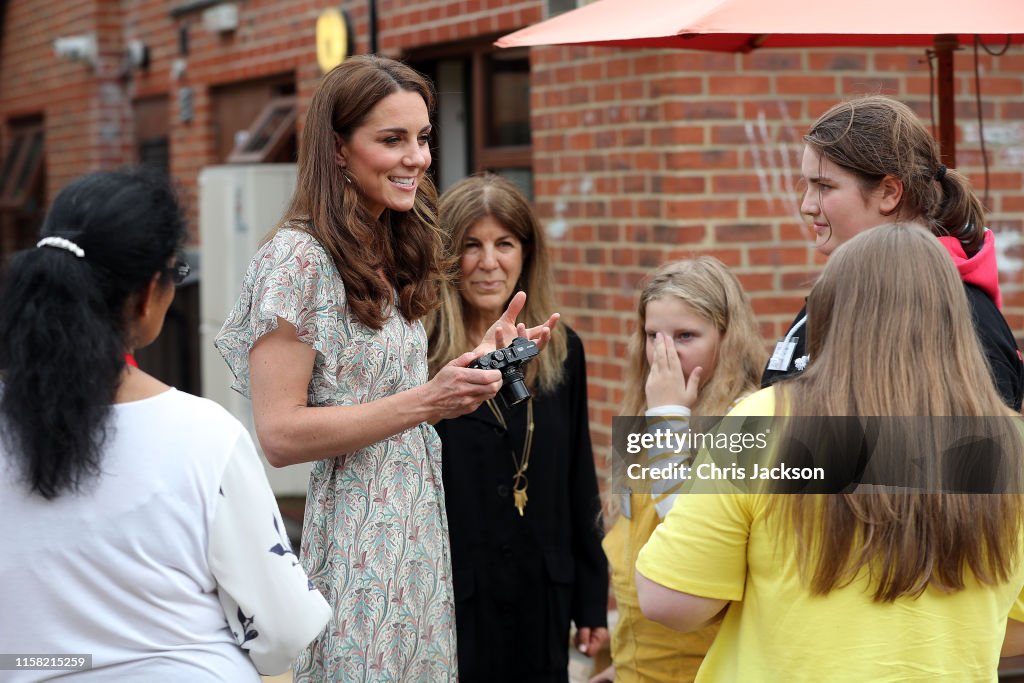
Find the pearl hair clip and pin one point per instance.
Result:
(62, 243)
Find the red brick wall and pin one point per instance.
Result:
(408, 24)
(274, 37)
(82, 106)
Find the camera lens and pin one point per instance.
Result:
(514, 389)
(515, 392)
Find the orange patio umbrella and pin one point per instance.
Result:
(744, 25)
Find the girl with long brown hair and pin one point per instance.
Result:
(885, 584)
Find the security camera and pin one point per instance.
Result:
(137, 54)
(78, 48)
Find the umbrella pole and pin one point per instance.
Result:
(944, 47)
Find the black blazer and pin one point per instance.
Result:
(519, 580)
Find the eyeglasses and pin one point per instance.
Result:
(179, 271)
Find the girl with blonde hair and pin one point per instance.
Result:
(829, 586)
(695, 351)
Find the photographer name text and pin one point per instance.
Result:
(709, 471)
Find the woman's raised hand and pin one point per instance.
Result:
(505, 329)
(666, 383)
(457, 390)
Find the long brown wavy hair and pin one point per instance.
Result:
(706, 285)
(406, 246)
(461, 207)
(890, 334)
(877, 136)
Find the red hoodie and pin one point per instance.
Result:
(979, 270)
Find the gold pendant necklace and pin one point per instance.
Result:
(519, 480)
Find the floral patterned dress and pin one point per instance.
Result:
(374, 540)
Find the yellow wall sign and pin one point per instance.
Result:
(333, 39)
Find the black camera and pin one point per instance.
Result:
(510, 360)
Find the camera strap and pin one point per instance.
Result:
(519, 479)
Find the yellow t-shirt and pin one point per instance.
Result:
(723, 546)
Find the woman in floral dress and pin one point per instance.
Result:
(326, 339)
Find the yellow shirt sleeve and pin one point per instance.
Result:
(701, 546)
(1017, 609)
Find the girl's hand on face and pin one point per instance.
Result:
(505, 329)
(666, 383)
(457, 390)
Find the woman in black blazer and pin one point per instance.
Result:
(520, 486)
